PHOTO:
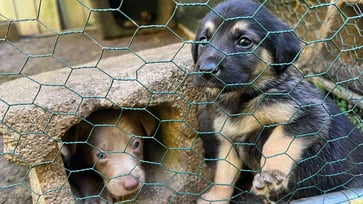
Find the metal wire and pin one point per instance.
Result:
(330, 32)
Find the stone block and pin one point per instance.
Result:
(37, 111)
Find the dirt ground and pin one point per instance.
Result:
(34, 55)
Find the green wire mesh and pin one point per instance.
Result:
(330, 32)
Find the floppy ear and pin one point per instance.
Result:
(287, 48)
(149, 123)
(195, 45)
(195, 51)
(75, 134)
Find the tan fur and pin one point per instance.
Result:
(281, 151)
(122, 165)
(213, 91)
(210, 26)
(255, 119)
(262, 71)
(114, 134)
(226, 174)
(239, 26)
(279, 154)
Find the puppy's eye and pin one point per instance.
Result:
(136, 144)
(245, 42)
(101, 155)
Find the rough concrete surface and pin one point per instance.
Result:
(41, 108)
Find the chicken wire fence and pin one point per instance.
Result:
(330, 33)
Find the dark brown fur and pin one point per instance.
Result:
(267, 118)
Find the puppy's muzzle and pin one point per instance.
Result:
(208, 68)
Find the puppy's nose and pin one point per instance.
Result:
(131, 183)
(209, 67)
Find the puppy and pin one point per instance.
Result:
(267, 117)
(110, 142)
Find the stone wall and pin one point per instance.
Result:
(37, 111)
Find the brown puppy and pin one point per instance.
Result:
(267, 118)
(111, 143)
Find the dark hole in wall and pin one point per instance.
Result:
(142, 12)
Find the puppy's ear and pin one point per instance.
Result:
(77, 133)
(287, 48)
(149, 123)
(195, 44)
(195, 51)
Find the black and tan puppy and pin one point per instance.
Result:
(268, 118)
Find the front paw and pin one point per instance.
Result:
(217, 195)
(269, 183)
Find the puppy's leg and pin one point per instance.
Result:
(227, 172)
(279, 154)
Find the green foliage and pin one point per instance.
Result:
(352, 112)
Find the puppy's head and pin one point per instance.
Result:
(115, 148)
(242, 44)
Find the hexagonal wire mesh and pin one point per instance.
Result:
(329, 31)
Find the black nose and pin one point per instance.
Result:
(209, 67)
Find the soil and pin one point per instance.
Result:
(34, 55)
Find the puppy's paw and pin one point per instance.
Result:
(216, 195)
(269, 182)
